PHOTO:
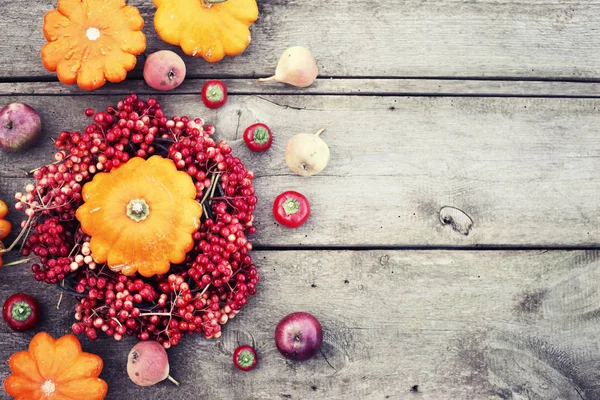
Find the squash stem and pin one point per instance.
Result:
(209, 3)
(321, 130)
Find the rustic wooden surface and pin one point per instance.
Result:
(452, 252)
(451, 324)
(410, 171)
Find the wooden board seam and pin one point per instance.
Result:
(388, 87)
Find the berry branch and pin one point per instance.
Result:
(199, 295)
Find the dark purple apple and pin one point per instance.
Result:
(298, 336)
(20, 127)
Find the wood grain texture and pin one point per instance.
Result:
(452, 324)
(404, 171)
(333, 86)
(412, 38)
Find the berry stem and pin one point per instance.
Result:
(215, 178)
(214, 187)
(38, 168)
(59, 300)
(23, 230)
(205, 289)
(23, 261)
(25, 237)
(158, 314)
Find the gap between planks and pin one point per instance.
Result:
(337, 86)
(449, 248)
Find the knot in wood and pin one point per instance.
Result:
(457, 219)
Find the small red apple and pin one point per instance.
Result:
(20, 127)
(164, 70)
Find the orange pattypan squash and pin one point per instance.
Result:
(5, 227)
(208, 28)
(55, 370)
(92, 41)
(141, 216)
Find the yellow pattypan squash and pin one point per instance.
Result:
(208, 28)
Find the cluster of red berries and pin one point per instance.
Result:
(199, 295)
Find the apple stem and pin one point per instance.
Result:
(9, 125)
(173, 380)
(321, 130)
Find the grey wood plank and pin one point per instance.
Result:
(412, 38)
(451, 324)
(404, 171)
(337, 86)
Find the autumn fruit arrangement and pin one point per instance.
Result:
(90, 42)
(145, 219)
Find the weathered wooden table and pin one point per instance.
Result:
(451, 253)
